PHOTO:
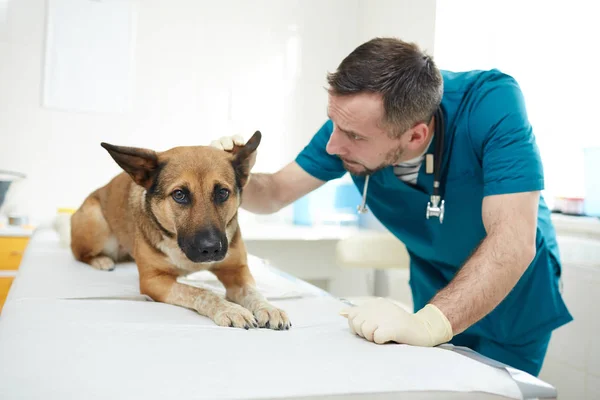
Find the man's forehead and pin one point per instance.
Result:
(364, 104)
(363, 110)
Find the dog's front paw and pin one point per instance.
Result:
(272, 317)
(235, 316)
(103, 263)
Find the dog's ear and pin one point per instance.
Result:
(244, 157)
(140, 164)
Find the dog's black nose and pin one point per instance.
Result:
(205, 246)
(209, 245)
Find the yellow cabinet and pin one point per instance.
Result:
(13, 242)
(11, 252)
(5, 282)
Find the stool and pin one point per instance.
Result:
(377, 250)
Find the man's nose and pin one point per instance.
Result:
(336, 145)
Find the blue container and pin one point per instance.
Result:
(302, 215)
(347, 198)
(333, 203)
(592, 181)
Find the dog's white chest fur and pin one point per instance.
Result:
(178, 258)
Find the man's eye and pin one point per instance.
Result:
(180, 196)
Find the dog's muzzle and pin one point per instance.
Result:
(208, 245)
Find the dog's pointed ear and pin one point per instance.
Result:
(140, 164)
(244, 158)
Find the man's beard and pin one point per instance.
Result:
(358, 169)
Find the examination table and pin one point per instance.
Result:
(68, 331)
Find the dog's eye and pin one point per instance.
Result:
(180, 196)
(222, 195)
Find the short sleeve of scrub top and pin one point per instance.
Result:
(315, 160)
(503, 139)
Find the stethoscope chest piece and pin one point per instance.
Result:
(435, 208)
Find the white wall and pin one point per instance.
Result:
(550, 47)
(410, 20)
(572, 364)
(202, 69)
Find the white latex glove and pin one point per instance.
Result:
(382, 321)
(227, 142)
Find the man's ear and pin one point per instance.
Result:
(243, 159)
(418, 135)
(140, 164)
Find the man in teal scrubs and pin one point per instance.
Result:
(487, 276)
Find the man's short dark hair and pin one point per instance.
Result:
(408, 80)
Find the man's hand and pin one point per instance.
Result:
(382, 321)
(268, 193)
(228, 142)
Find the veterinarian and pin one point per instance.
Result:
(484, 269)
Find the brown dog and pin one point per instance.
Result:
(175, 213)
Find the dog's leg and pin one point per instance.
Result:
(89, 234)
(241, 289)
(164, 288)
(159, 281)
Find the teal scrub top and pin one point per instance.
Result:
(489, 149)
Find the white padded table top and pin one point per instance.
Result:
(69, 331)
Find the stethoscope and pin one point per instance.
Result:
(435, 206)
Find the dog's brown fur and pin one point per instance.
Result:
(140, 215)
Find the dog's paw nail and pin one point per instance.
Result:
(246, 327)
(280, 326)
(103, 263)
(267, 325)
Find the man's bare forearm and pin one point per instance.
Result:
(269, 193)
(260, 195)
(484, 280)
